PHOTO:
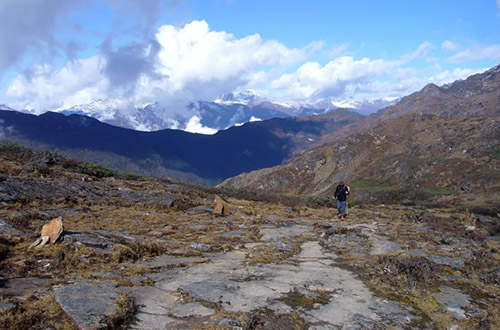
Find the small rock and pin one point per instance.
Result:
(201, 246)
(155, 233)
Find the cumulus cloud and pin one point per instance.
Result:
(477, 53)
(225, 58)
(313, 81)
(177, 67)
(194, 125)
(79, 82)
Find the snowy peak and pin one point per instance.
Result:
(244, 97)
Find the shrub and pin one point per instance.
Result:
(96, 170)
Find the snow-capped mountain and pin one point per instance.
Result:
(244, 97)
(364, 107)
(227, 110)
(215, 115)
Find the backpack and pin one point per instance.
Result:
(341, 192)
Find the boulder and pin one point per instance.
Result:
(53, 229)
(221, 207)
(50, 233)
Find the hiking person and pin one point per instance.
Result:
(341, 193)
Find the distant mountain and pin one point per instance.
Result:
(206, 159)
(225, 111)
(217, 115)
(438, 142)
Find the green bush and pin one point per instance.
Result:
(96, 170)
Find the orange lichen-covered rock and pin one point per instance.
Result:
(53, 229)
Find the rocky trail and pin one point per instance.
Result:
(155, 255)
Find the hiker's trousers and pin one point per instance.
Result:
(341, 207)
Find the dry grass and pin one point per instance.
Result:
(37, 314)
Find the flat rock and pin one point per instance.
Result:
(87, 302)
(197, 226)
(283, 232)
(235, 234)
(21, 288)
(151, 300)
(165, 261)
(453, 300)
(98, 240)
(416, 253)
(383, 246)
(452, 262)
(192, 310)
(144, 198)
(200, 209)
(6, 228)
(238, 287)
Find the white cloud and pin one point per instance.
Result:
(194, 125)
(477, 53)
(194, 54)
(79, 82)
(447, 76)
(192, 63)
(311, 80)
(450, 46)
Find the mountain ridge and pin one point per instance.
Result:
(199, 158)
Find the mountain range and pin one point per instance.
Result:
(441, 143)
(227, 110)
(198, 158)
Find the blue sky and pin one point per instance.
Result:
(60, 53)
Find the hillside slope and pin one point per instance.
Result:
(436, 142)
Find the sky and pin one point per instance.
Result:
(58, 53)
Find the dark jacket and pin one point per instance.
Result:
(341, 192)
